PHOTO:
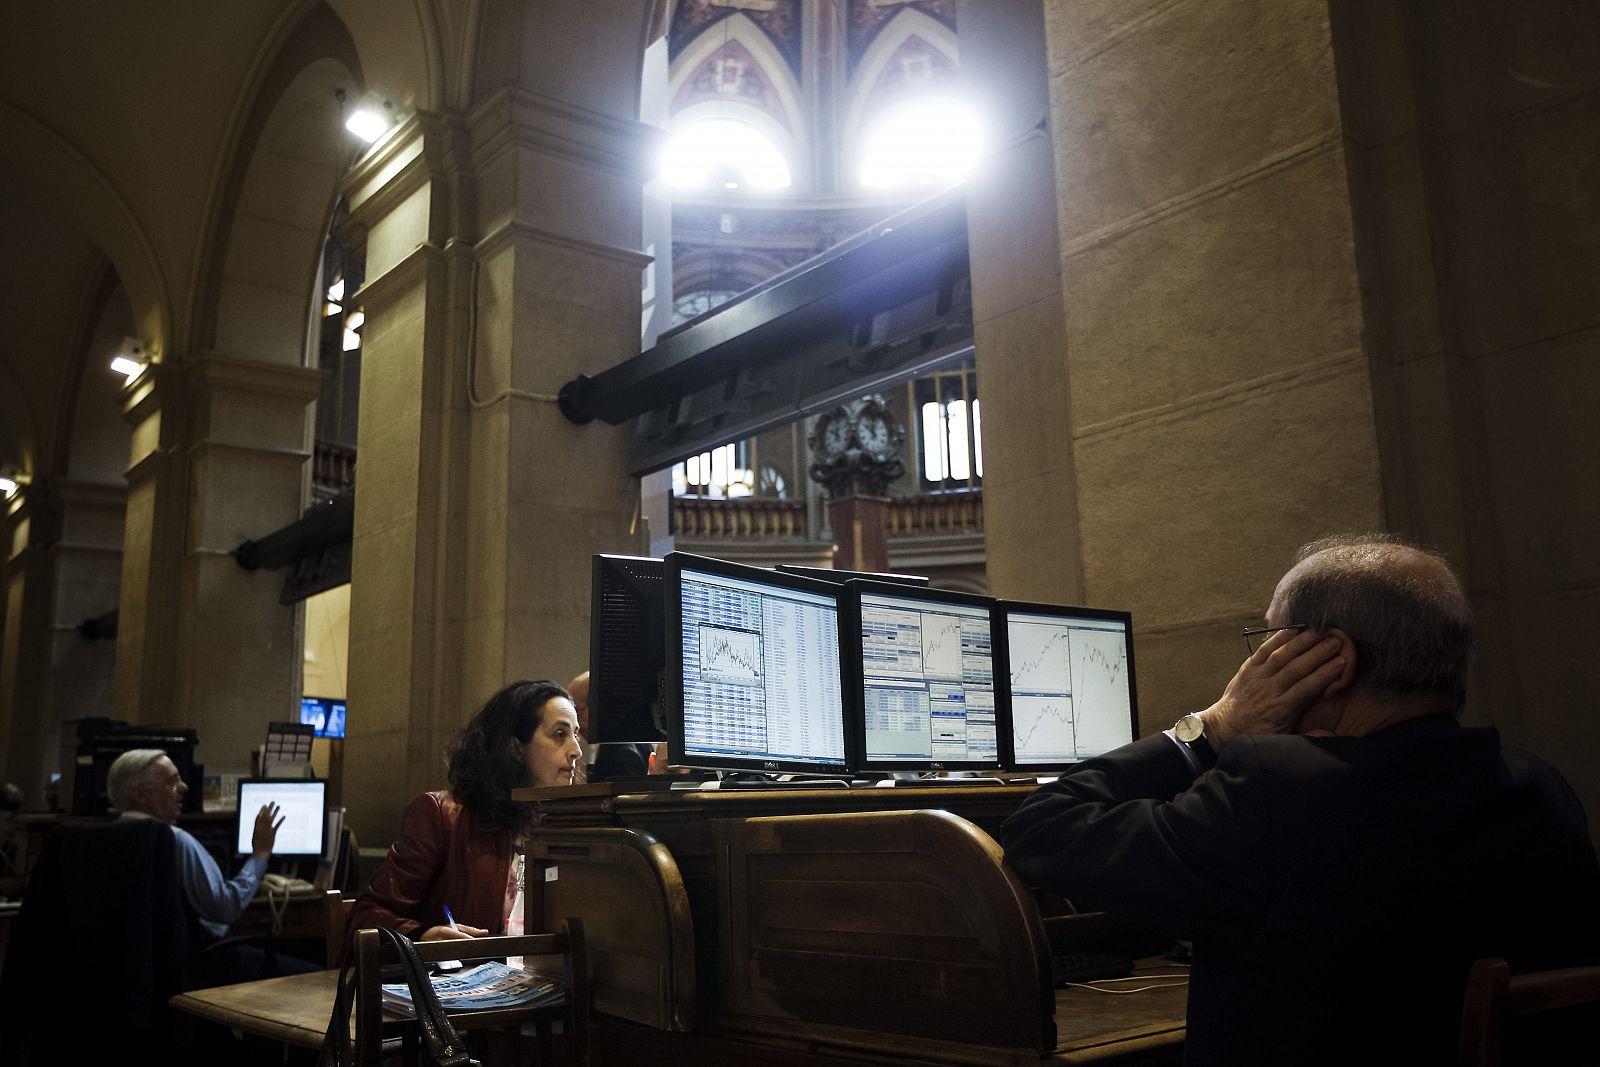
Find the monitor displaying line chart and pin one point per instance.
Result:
(1071, 685)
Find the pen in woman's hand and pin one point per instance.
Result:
(451, 919)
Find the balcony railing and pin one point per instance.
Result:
(742, 518)
(935, 514)
(754, 519)
(333, 469)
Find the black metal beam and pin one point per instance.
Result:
(838, 294)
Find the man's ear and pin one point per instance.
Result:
(1347, 674)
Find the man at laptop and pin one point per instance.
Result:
(1337, 847)
(145, 784)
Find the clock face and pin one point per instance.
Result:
(836, 436)
(874, 434)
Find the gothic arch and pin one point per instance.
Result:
(594, 63)
(864, 83)
(85, 192)
(274, 210)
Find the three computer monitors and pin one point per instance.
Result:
(753, 668)
(1070, 695)
(920, 677)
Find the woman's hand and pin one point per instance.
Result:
(448, 933)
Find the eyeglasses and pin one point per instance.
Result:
(1256, 636)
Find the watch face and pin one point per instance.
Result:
(1189, 728)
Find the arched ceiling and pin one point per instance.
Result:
(118, 124)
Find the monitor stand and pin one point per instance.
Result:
(756, 781)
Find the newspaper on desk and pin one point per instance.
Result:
(485, 987)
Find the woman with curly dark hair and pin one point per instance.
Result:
(462, 849)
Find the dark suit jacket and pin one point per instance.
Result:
(1335, 889)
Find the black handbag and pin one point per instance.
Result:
(441, 1044)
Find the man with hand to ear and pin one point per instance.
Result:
(1338, 848)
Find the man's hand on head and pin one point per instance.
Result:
(1274, 686)
(266, 832)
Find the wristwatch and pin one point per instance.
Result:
(1189, 734)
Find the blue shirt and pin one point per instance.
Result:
(217, 901)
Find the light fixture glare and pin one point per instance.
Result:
(8, 487)
(336, 290)
(370, 119)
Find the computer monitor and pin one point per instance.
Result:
(1070, 692)
(831, 574)
(325, 715)
(921, 677)
(627, 648)
(303, 803)
(753, 672)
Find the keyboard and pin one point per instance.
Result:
(1089, 966)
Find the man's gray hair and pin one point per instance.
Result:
(128, 773)
(1401, 605)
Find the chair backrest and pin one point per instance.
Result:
(335, 921)
(858, 922)
(1495, 1002)
(567, 942)
(636, 918)
(104, 900)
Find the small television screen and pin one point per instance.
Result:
(924, 681)
(325, 715)
(627, 648)
(303, 804)
(753, 668)
(1070, 691)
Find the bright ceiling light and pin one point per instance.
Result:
(356, 320)
(8, 487)
(724, 152)
(129, 360)
(336, 290)
(923, 142)
(371, 118)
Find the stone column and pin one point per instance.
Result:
(28, 525)
(219, 452)
(496, 272)
(145, 688)
(1201, 401)
(86, 566)
(239, 647)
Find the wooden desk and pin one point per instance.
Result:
(1134, 1029)
(840, 925)
(293, 1010)
(1108, 1030)
(304, 917)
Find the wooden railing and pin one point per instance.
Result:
(743, 518)
(936, 513)
(753, 518)
(333, 468)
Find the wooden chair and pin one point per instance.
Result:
(371, 1027)
(335, 920)
(1495, 1000)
